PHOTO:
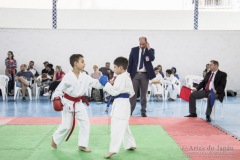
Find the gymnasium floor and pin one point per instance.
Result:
(26, 128)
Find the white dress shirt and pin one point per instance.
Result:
(139, 59)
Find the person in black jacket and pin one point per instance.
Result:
(215, 80)
(141, 71)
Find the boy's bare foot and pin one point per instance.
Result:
(84, 149)
(131, 148)
(54, 145)
(109, 155)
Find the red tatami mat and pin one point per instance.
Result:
(5, 120)
(191, 127)
(49, 120)
(197, 138)
(35, 120)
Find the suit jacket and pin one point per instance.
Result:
(133, 62)
(220, 81)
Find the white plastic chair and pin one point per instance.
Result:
(190, 79)
(3, 85)
(214, 109)
(37, 91)
(179, 89)
(204, 103)
(225, 91)
(165, 83)
(18, 89)
(151, 91)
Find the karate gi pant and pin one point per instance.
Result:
(156, 89)
(173, 91)
(67, 119)
(120, 134)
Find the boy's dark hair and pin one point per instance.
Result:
(156, 68)
(75, 58)
(121, 61)
(175, 69)
(50, 65)
(169, 71)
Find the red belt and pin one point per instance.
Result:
(75, 100)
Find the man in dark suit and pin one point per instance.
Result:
(215, 80)
(141, 71)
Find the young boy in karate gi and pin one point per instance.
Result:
(71, 89)
(122, 90)
(173, 86)
(156, 84)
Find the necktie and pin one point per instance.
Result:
(208, 83)
(141, 60)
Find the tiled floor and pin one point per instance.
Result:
(229, 122)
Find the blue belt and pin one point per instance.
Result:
(122, 95)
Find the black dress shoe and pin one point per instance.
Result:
(144, 115)
(191, 115)
(208, 119)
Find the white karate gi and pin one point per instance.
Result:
(174, 86)
(157, 88)
(74, 87)
(121, 108)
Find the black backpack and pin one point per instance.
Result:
(231, 93)
(96, 95)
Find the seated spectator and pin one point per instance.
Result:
(96, 73)
(97, 95)
(58, 75)
(45, 69)
(43, 82)
(212, 87)
(23, 78)
(173, 85)
(174, 72)
(206, 70)
(50, 70)
(106, 71)
(156, 85)
(33, 70)
(160, 70)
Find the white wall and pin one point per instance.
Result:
(189, 51)
(120, 20)
(99, 4)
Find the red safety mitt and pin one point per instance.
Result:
(57, 104)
